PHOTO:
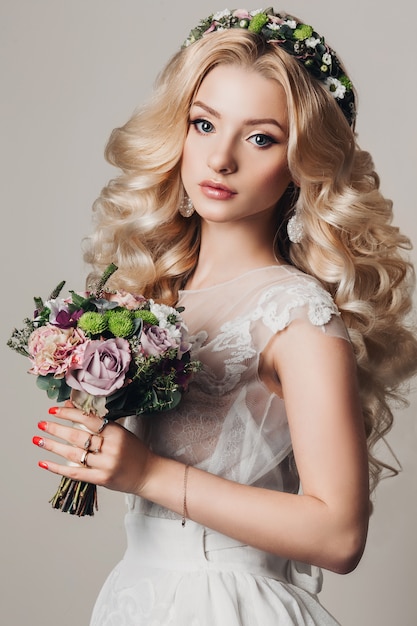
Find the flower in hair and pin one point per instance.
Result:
(296, 38)
(336, 87)
(258, 22)
(221, 14)
(303, 32)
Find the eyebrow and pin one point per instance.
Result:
(248, 122)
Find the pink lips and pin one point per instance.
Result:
(216, 191)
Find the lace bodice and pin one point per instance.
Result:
(229, 423)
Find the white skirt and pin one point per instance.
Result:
(191, 576)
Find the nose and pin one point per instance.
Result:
(222, 158)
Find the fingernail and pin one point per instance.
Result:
(43, 465)
(42, 425)
(53, 410)
(38, 441)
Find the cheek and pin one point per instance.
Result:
(276, 180)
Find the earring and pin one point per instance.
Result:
(186, 208)
(295, 228)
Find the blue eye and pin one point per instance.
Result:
(262, 141)
(203, 126)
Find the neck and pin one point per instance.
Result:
(229, 250)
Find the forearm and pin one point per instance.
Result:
(299, 527)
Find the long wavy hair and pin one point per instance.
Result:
(349, 244)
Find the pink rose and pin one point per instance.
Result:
(125, 299)
(102, 369)
(51, 349)
(156, 340)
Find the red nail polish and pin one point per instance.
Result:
(42, 425)
(38, 441)
(43, 465)
(53, 410)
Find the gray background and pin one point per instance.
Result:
(70, 72)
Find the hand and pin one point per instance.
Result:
(114, 458)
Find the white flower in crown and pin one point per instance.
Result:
(291, 24)
(326, 58)
(336, 88)
(312, 42)
(273, 26)
(220, 14)
(256, 11)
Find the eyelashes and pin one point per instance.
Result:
(260, 140)
(204, 127)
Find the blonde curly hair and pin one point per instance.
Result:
(349, 243)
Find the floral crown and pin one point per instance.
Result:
(298, 39)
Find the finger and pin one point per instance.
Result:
(80, 456)
(86, 474)
(92, 422)
(81, 438)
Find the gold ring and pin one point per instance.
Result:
(87, 443)
(98, 447)
(83, 459)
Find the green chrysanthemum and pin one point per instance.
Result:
(120, 323)
(303, 32)
(93, 323)
(147, 316)
(346, 82)
(258, 22)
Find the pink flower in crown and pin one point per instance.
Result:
(275, 20)
(125, 299)
(51, 349)
(241, 14)
(101, 368)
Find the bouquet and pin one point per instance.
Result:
(111, 353)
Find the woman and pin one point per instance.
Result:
(245, 198)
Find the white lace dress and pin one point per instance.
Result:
(228, 424)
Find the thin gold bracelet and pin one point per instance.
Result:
(184, 502)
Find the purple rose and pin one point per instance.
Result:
(103, 368)
(156, 340)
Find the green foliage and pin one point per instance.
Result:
(20, 337)
(54, 387)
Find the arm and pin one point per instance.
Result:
(325, 526)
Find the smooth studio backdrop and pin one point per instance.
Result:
(70, 72)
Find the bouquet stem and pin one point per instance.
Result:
(75, 497)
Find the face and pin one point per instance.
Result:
(234, 162)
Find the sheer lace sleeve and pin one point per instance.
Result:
(297, 297)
